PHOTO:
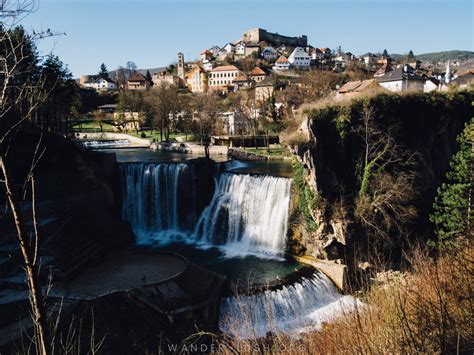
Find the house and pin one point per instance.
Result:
(270, 54)
(282, 64)
(402, 79)
(299, 58)
(222, 77)
(355, 88)
(241, 81)
(369, 59)
(343, 59)
(320, 53)
(197, 80)
(206, 55)
(240, 48)
(137, 81)
(97, 83)
(105, 84)
(215, 50)
(229, 48)
(257, 75)
(264, 89)
(161, 78)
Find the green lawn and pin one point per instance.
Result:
(156, 135)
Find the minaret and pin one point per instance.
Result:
(447, 76)
(181, 74)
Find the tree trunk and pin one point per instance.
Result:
(36, 298)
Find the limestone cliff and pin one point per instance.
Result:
(425, 125)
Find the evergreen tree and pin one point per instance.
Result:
(148, 77)
(450, 208)
(103, 71)
(62, 90)
(385, 54)
(410, 56)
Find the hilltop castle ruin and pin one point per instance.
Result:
(260, 35)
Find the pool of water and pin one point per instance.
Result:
(138, 155)
(145, 155)
(249, 269)
(281, 168)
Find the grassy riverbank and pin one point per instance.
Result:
(276, 151)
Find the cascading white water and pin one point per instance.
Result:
(158, 200)
(105, 144)
(247, 215)
(293, 309)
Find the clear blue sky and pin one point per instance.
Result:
(151, 32)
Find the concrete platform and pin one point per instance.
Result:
(122, 271)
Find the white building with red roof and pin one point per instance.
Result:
(257, 74)
(282, 64)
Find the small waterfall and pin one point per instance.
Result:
(247, 215)
(158, 200)
(293, 309)
(105, 144)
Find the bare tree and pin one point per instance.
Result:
(21, 93)
(206, 108)
(387, 180)
(163, 103)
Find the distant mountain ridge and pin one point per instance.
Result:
(453, 55)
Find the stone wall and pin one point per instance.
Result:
(261, 35)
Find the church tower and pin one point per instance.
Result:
(447, 77)
(181, 74)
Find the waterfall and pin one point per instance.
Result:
(247, 215)
(105, 143)
(158, 200)
(293, 309)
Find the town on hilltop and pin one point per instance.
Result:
(285, 69)
(270, 195)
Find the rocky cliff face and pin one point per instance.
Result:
(426, 125)
(78, 201)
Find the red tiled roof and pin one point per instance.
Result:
(257, 71)
(207, 51)
(349, 86)
(356, 86)
(241, 77)
(282, 59)
(224, 68)
(365, 84)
